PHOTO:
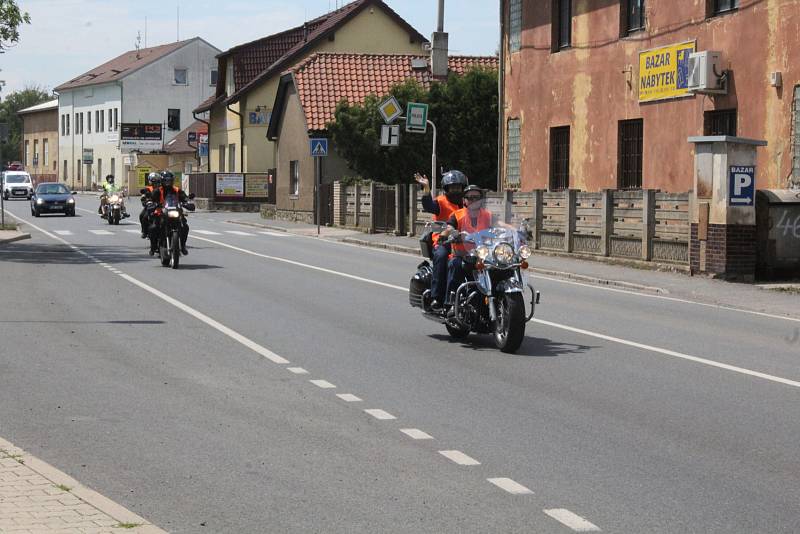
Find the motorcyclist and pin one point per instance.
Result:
(166, 187)
(151, 181)
(442, 208)
(473, 217)
(110, 188)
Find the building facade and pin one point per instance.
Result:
(598, 93)
(40, 141)
(161, 84)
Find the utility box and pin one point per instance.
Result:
(778, 233)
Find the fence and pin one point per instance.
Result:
(234, 187)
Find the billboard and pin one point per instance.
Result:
(141, 137)
(230, 185)
(664, 72)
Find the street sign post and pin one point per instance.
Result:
(390, 109)
(319, 149)
(417, 117)
(390, 135)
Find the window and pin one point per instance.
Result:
(515, 25)
(718, 7)
(181, 76)
(99, 168)
(102, 120)
(629, 159)
(67, 124)
(116, 119)
(113, 170)
(26, 153)
(110, 120)
(559, 158)
(88, 122)
(79, 123)
(632, 16)
(214, 76)
(173, 119)
(512, 162)
(65, 176)
(294, 177)
(561, 24)
(45, 152)
(232, 157)
(720, 122)
(230, 87)
(35, 152)
(78, 166)
(221, 158)
(63, 131)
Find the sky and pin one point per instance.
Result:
(69, 37)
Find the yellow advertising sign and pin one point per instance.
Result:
(256, 186)
(141, 175)
(664, 72)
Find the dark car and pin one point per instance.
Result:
(52, 198)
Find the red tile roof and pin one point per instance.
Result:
(266, 57)
(180, 143)
(122, 65)
(323, 80)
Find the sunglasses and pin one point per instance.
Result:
(473, 197)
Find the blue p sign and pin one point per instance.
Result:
(742, 185)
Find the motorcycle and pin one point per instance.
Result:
(171, 217)
(492, 299)
(113, 210)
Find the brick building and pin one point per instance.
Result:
(598, 93)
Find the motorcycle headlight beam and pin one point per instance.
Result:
(173, 214)
(524, 252)
(504, 253)
(482, 252)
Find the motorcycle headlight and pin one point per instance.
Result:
(504, 253)
(173, 214)
(39, 201)
(524, 252)
(70, 201)
(482, 252)
(114, 198)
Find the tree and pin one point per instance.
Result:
(11, 18)
(30, 96)
(464, 109)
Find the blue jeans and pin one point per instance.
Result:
(439, 278)
(456, 275)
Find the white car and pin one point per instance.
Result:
(17, 184)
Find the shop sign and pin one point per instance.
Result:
(664, 72)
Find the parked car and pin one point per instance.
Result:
(17, 184)
(52, 198)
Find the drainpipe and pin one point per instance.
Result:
(501, 97)
(241, 136)
(199, 159)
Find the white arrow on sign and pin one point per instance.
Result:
(390, 135)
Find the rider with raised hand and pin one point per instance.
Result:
(442, 207)
(168, 187)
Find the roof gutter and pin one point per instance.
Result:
(241, 136)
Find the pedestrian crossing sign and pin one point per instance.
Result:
(319, 147)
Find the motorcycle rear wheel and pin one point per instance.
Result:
(510, 328)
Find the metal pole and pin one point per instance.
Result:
(440, 25)
(317, 182)
(2, 204)
(433, 162)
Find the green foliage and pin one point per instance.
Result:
(11, 18)
(30, 96)
(464, 109)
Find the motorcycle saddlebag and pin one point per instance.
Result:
(420, 282)
(426, 244)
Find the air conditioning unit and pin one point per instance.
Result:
(706, 74)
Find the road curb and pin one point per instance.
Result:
(20, 237)
(87, 495)
(258, 225)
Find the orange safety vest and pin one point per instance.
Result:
(465, 224)
(446, 209)
(161, 197)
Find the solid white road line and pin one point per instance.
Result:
(299, 264)
(206, 232)
(63, 232)
(512, 487)
(132, 231)
(297, 370)
(573, 521)
(348, 397)
(324, 384)
(459, 457)
(415, 433)
(275, 234)
(101, 232)
(237, 232)
(380, 414)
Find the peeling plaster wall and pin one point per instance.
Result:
(594, 85)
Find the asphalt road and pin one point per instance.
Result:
(160, 389)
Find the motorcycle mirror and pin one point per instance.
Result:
(191, 196)
(143, 191)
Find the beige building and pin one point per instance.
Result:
(249, 76)
(40, 141)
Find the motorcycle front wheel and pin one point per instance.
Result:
(510, 328)
(163, 251)
(175, 248)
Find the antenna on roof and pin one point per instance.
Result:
(138, 44)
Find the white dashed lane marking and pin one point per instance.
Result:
(459, 457)
(101, 232)
(380, 414)
(573, 521)
(512, 487)
(132, 231)
(348, 397)
(297, 370)
(63, 232)
(415, 433)
(206, 232)
(274, 234)
(237, 232)
(324, 384)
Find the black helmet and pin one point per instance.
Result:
(472, 188)
(153, 179)
(110, 178)
(454, 178)
(167, 179)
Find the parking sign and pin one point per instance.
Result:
(741, 185)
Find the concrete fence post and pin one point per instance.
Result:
(412, 210)
(357, 206)
(606, 221)
(373, 211)
(570, 196)
(337, 203)
(648, 223)
(538, 217)
(508, 206)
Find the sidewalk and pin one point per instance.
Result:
(673, 282)
(36, 498)
(9, 236)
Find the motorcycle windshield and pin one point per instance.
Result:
(171, 202)
(494, 236)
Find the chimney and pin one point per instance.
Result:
(439, 47)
